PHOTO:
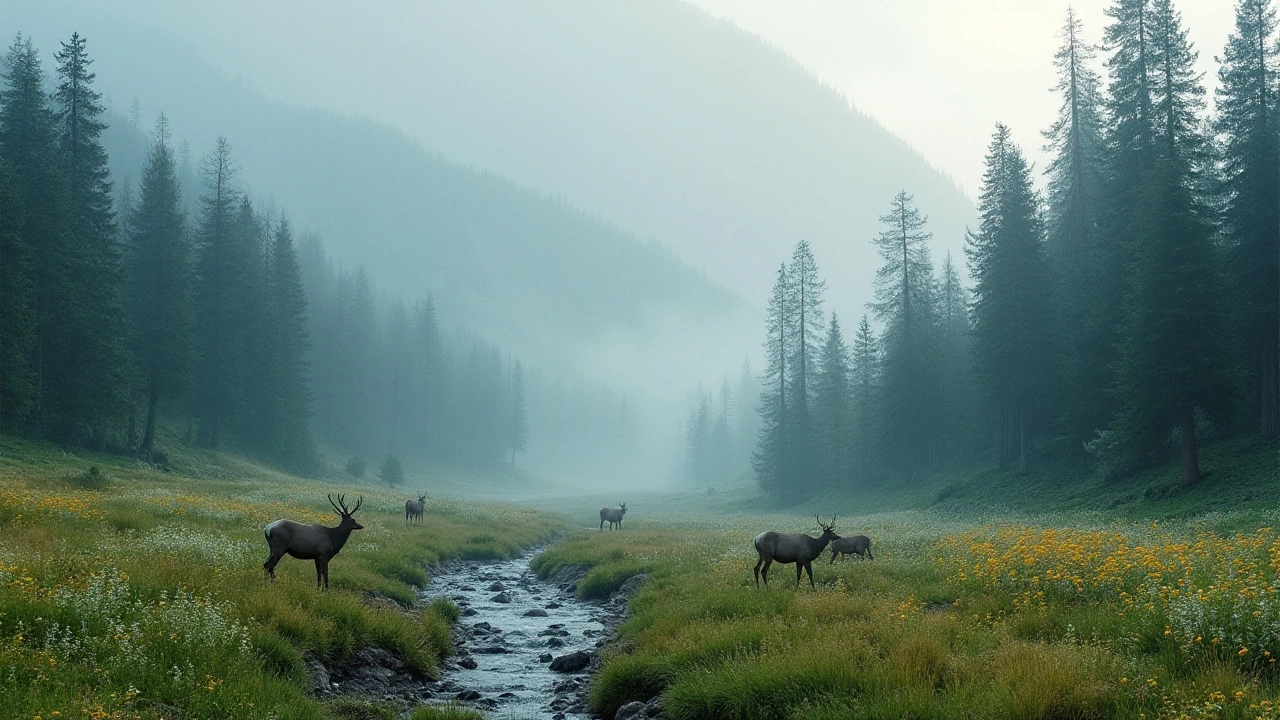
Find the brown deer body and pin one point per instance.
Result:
(792, 548)
(613, 517)
(859, 545)
(311, 542)
(413, 509)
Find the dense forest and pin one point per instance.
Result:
(120, 306)
(1121, 317)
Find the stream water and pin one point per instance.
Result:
(513, 625)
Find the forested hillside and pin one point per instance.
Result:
(1121, 319)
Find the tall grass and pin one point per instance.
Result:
(920, 633)
(128, 593)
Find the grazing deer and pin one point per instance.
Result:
(859, 545)
(311, 542)
(413, 509)
(792, 548)
(613, 516)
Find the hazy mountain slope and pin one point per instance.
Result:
(523, 268)
(670, 123)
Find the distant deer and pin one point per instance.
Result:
(311, 542)
(792, 548)
(413, 509)
(859, 545)
(613, 516)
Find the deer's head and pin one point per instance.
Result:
(828, 528)
(422, 498)
(348, 521)
(623, 507)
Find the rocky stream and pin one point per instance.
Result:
(523, 648)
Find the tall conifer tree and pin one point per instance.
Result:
(1248, 117)
(770, 459)
(17, 318)
(1012, 325)
(905, 303)
(865, 375)
(1174, 358)
(160, 278)
(833, 409)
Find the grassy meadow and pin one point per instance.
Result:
(1109, 609)
(126, 592)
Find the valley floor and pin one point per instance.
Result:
(133, 593)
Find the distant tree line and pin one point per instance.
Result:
(116, 309)
(1123, 315)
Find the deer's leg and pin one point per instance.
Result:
(759, 560)
(764, 572)
(326, 574)
(799, 570)
(869, 555)
(601, 524)
(270, 564)
(833, 558)
(319, 571)
(808, 567)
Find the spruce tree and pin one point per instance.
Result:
(289, 396)
(1073, 240)
(517, 435)
(28, 143)
(220, 384)
(1174, 358)
(955, 361)
(97, 363)
(17, 316)
(905, 303)
(833, 406)
(770, 459)
(1012, 336)
(430, 371)
(865, 376)
(1248, 115)
(806, 332)
(160, 277)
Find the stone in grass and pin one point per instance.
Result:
(654, 707)
(571, 663)
(501, 597)
(468, 612)
(468, 663)
(536, 612)
(632, 711)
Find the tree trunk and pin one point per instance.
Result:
(1190, 453)
(1000, 438)
(153, 405)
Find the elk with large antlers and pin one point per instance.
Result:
(311, 542)
(792, 548)
(613, 517)
(413, 509)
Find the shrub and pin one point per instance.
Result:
(392, 472)
(355, 467)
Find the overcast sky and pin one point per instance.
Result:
(940, 73)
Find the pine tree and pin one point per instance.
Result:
(97, 364)
(833, 409)
(1248, 116)
(1011, 306)
(1073, 241)
(1173, 353)
(770, 459)
(517, 436)
(17, 317)
(160, 278)
(28, 143)
(391, 471)
(289, 393)
(955, 361)
(865, 377)
(220, 385)
(806, 342)
(905, 304)
(430, 371)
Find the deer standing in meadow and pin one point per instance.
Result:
(311, 542)
(859, 545)
(613, 516)
(795, 548)
(413, 509)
